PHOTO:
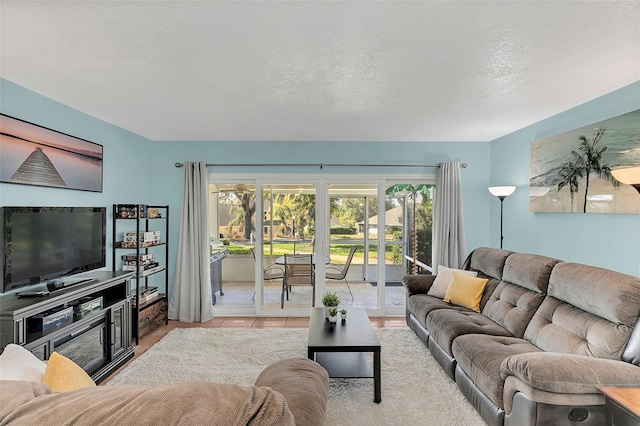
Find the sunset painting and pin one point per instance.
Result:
(571, 172)
(34, 155)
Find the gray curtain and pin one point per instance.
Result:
(448, 224)
(191, 292)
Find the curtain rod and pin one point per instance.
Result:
(321, 165)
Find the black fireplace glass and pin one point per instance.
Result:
(86, 347)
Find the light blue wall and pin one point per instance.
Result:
(606, 240)
(126, 171)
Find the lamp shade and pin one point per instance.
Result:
(628, 175)
(501, 191)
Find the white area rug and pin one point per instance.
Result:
(415, 390)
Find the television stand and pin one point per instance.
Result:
(98, 339)
(38, 293)
(62, 283)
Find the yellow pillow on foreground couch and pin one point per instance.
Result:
(465, 291)
(63, 375)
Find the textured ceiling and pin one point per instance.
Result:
(321, 70)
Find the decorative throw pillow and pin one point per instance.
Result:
(443, 279)
(465, 291)
(63, 375)
(17, 363)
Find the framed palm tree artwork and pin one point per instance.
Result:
(571, 172)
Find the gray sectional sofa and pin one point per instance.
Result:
(547, 335)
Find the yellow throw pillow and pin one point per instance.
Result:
(443, 279)
(465, 291)
(63, 375)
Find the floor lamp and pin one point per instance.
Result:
(629, 175)
(501, 192)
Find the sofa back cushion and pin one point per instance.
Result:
(588, 311)
(530, 271)
(525, 280)
(487, 262)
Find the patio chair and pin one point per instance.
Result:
(270, 273)
(341, 271)
(298, 271)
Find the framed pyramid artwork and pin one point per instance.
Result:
(35, 155)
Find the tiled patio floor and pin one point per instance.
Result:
(241, 294)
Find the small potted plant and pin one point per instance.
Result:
(333, 315)
(343, 315)
(330, 300)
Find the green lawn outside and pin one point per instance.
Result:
(338, 252)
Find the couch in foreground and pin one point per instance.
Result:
(543, 336)
(288, 392)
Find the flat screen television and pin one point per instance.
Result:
(40, 244)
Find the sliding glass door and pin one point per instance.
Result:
(353, 245)
(357, 233)
(288, 241)
(232, 236)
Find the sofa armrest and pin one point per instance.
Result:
(418, 284)
(568, 373)
(303, 383)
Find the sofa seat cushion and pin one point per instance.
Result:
(420, 305)
(445, 325)
(480, 357)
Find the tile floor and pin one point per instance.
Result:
(243, 322)
(241, 294)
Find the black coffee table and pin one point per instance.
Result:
(341, 348)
